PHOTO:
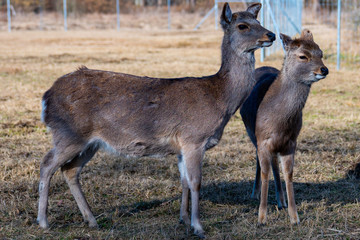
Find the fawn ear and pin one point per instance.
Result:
(226, 16)
(307, 35)
(254, 9)
(286, 41)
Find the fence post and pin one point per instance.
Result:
(204, 18)
(9, 15)
(338, 35)
(65, 15)
(41, 3)
(169, 16)
(216, 14)
(262, 21)
(274, 20)
(118, 15)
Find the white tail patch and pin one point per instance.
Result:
(43, 108)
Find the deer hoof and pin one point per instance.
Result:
(43, 224)
(259, 225)
(185, 220)
(93, 224)
(200, 234)
(295, 221)
(282, 206)
(255, 196)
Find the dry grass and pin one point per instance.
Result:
(140, 199)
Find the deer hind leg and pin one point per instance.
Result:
(288, 165)
(71, 172)
(192, 160)
(50, 163)
(257, 183)
(280, 197)
(184, 209)
(265, 158)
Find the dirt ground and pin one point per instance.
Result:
(140, 199)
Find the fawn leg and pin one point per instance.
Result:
(71, 172)
(257, 183)
(280, 197)
(288, 165)
(265, 160)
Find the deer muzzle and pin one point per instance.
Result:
(267, 40)
(321, 73)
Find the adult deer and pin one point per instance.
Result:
(272, 115)
(140, 116)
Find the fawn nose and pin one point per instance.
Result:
(324, 71)
(271, 36)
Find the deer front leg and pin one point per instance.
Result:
(265, 158)
(280, 197)
(184, 209)
(192, 160)
(288, 165)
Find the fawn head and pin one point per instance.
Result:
(243, 32)
(303, 58)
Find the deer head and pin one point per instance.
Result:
(304, 57)
(243, 25)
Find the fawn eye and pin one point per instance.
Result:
(302, 57)
(243, 26)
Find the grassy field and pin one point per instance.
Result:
(140, 199)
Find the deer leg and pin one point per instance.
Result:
(50, 163)
(192, 158)
(265, 161)
(288, 165)
(71, 172)
(280, 197)
(184, 209)
(45, 176)
(257, 183)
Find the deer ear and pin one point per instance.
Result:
(286, 41)
(254, 9)
(226, 16)
(307, 35)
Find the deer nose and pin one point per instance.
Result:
(324, 71)
(271, 36)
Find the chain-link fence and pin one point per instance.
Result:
(281, 16)
(340, 25)
(286, 16)
(99, 14)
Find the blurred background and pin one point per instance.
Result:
(338, 20)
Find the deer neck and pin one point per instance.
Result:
(292, 93)
(237, 73)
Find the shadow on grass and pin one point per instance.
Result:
(128, 211)
(342, 192)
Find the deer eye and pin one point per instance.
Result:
(303, 57)
(243, 26)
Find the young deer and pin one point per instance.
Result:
(272, 115)
(140, 116)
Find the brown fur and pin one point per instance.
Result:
(142, 116)
(273, 116)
